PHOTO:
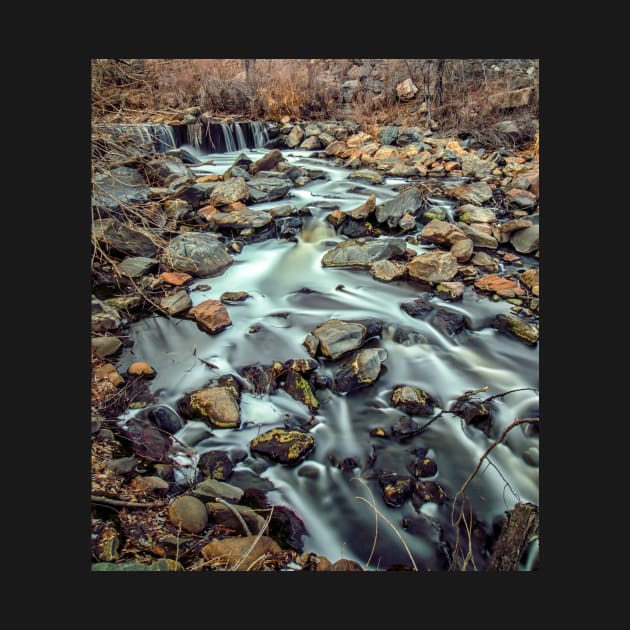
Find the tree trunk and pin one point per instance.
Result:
(519, 525)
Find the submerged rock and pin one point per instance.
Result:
(449, 322)
(360, 370)
(516, 327)
(418, 308)
(268, 186)
(362, 252)
(200, 254)
(396, 488)
(284, 446)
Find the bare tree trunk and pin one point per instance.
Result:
(519, 526)
(249, 69)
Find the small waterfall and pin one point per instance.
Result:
(164, 138)
(230, 145)
(240, 136)
(259, 131)
(195, 134)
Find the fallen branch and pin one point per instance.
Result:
(236, 513)
(131, 504)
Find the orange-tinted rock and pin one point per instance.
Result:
(451, 166)
(482, 227)
(211, 316)
(515, 160)
(336, 148)
(234, 207)
(499, 285)
(442, 232)
(231, 552)
(108, 372)
(141, 368)
(212, 177)
(362, 211)
(207, 212)
(175, 278)
(336, 217)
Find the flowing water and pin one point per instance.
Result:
(291, 293)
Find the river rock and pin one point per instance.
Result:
(200, 254)
(296, 135)
(427, 491)
(311, 144)
(105, 541)
(403, 170)
(284, 446)
(473, 214)
(234, 189)
(164, 418)
(386, 270)
(281, 211)
(531, 279)
(442, 233)
(434, 212)
(479, 239)
(362, 252)
(235, 171)
(504, 232)
(408, 201)
(247, 552)
(516, 327)
(241, 219)
(267, 162)
(217, 406)
(337, 338)
(485, 262)
(521, 198)
(119, 237)
(501, 286)
(136, 266)
(418, 308)
(211, 316)
(526, 241)
(105, 346)
(189, 513)
(370, 177)
(141, 368)
(396, 488)
(462, 250)
(222, 515)
(476, 193)
(163, 170)
(151, 484)
(195, 194)
(412, 400)
(123, 186)
(175, 278)
(359, 138)
(337, 148)
(176, 302)
(450, 291)
(387, 135)
(212, 489)
(215, 465)
(325, 139)
(448, 322)
(336, 217)
(359, 370)
(435, 266)
(268, 186)
(104, 317)
(298, 388)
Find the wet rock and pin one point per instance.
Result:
(485, 262)
(104, 317)
(311, 343)
(123, 466)
(212, 489)
(531, 279)
(473, 214)
(268, 186)
(462, 250)
(418, 308)
(504, 232)
(105, 346)
(189, 513)
(337, 337)
(405, 428)
(362, 252)
(516, 327)
(234, 189)
(378, 432)
(435, 266)
(474, 412)
(423, 467)
(448, 322)
(311, 144)
(150, 484)
(108, 372)
(295, 137)
(336, 217)
(211, 316)
(408, 201)
(434, 213)
(267, 162)
(141, 368)
(217, 406)
(396, 488)
(129, 302)
(386, 270)
(476, 193)
(134, 267)
(298, 388)
(526, 241)
(479, 239)
(407, 222)
(301, 366)
(354, 229)
(163, 170)
(163, 564)
(215, 465)
(343, 564)
(412, 400)
(241, 219)
(359, 370)
(427, 491)
(175, 278)
(284, 446)
(234, 296)
(501, 286)
(123, 186)
(146, 440)
(281, 211)
(235, 171)
(247, 552)
(450, 291)
(287, 528)
(289, 227)
(442, 233)
(200, 254)
(370, 177)
(387, 135)
(220, 514)
(164, 418)
(119, 237)
(176, 302)
(521, 198)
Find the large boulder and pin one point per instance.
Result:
(408, 201)
(295, 137)
(359, 370)
(123, 186)
(442, 233)
(526, 241)
(120, 237)
(200, 254)
(362, 252)
(387, 135)
(435, 266)
(267, 162)
(241, 219)
(406, 90)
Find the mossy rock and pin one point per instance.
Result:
(284, 446)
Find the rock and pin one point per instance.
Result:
(479, 239)
(104, 317)
(337, 148)
(336, 217)
(473, 214)
(136, 266)
(531, 279)
(212, 177)
(129, 302)
(414, 401)
(122, 187)
(499, 285)
(423, 467)
(163, 564)
(435, 266)
(298, 388)
(406, 90)
(418, 308)
(234, 296)
(386, 270)
(105, 541)
(242, 219)
(408, 201)
(141, 368)
(362, 252)
(521, 198)
(267, 162)
(176, 302)
(284, 446)
(450, 290)
(235, 171)
(176, 209)
(448, 322)
(175, 278)
(189, 513)
(217, 406)
(337, 338)
(462, 250)
(516, 327)
(325, 139)
(507, 126)
(504, 231)
(354, 229)
(476, 193)
(357, 139)
(195, 195)
(211, 489)
(211, 316)
(442, 232)
(434, 212)
(387, 135)
(268, 186)
(200, 254)
(485, 262)
(511, 99)
(343, 564)
(359, 370)
(163, 170)
(222, 515)
(427, 491)
(281, 211)
(370, 177)
(123, 466)
(105, 346)
(396, 488)
(215, 465)
(296, 135)
(526, 241)
(151, 484)
(234, 189)
(311, 144)
(119, 237)
(247, 552)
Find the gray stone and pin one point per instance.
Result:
(337, 338)
(199, 254)
(295, 137)
(526, 241)
(176, 302)
(413, 400)
(462, 250)
(268, 186)
(516, 327)
(212, 489)
(475, 193)
(218, 406)
(359, 370)
(164, 169)
(362, 252)
(479, 239)
(189, 513)
(194, 194)
(241, 219)
(120, 237)
(104, 317)
(311, 143)
(266, 162)
(136, 266)
(435, 266)
(473, 214)
(122, 187)
(105, 346)
(281, 211)
(387, 135)
(234, 189)
(408, 201)
(285, 446)
(371, 177)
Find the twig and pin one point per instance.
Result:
(375, 522)
(236, 513)
(131, 504)
(254, 543)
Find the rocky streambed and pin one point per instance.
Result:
(302, 353)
